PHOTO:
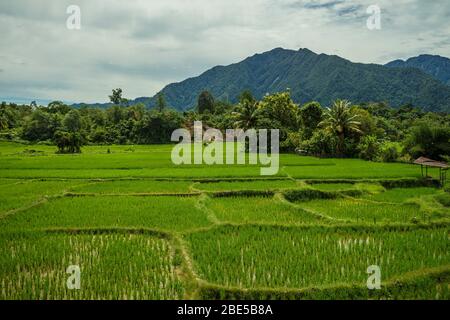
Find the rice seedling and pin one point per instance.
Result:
(444, 199)
(363, 211)
(112, 267)
(400, 195)
(353, 169)
(270, 257)
(333, 186)
(165, 213)
(248, 185)
(8, 181)
(268, 242)
(22, 193)
(134, 186)
(259, 210)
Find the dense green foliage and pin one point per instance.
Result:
(369, 131)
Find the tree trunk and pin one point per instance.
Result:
(341, 144)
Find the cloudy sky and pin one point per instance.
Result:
(142, 45)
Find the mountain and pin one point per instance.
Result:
(436, 66)
(310, 76)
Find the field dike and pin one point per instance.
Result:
(426, 282)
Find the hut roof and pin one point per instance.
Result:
(431, 163)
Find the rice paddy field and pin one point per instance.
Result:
(140, 227)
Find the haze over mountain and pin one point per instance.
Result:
(310, 77)
(437, 66)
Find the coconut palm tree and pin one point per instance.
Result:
(246, 115)
(340, 120)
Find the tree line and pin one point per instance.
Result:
(371, 131)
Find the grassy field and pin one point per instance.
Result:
(140, 227)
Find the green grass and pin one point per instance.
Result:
(164, 213)
(268, 257)
(33, 267)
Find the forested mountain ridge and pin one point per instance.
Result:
(436, 66)
(309, 77)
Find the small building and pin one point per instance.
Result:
(426, 163)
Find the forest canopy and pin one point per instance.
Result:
(371, 131)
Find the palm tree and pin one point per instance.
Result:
(246, 115)
(339, 120)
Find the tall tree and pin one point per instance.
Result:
(246, 115)
(429, 140)
(279, 111)
(58, 107)
(161, 102)
(246, 95)
(340, 121)
(205, 102)
(72, 121)
(116, 97)
(311, 114)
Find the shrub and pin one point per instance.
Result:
(321, 143)
(390, 151)
(369, 148)
(292, 141)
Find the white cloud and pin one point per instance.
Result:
(143, 45)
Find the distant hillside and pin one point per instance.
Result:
(437, 66)
(311, 76)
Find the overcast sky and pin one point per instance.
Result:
(141, 46)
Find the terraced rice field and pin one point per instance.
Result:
(139, 227)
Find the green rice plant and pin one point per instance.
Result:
(259, 210)
(364, 211)
(444, 199)
(33, 267)
(333, 186)
(270, 257)
(242, 193)
(370, 188)
(399, 195)
(25, 192)
(163, 213)
(134, 186)
(187, 172)
(428, 284)
(248, 185)
(354, 169)
(310, 194)
(8, 181)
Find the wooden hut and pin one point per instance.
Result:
(426, 163)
